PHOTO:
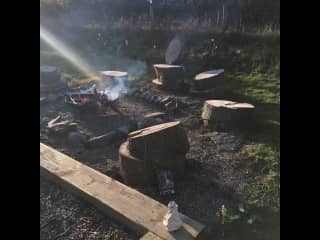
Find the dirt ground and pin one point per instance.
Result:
(215, 173)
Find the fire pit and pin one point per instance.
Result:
(90, 100)
(99, 96)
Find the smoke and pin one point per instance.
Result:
(119, 89)
(118, 86)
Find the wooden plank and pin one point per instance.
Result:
(126, 205)
(150, 236)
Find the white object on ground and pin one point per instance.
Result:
(172, 219)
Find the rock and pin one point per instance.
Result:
(153, 99)
(165, 100)
(157, 99)
(72, 127)
(148, 98)
(159, 120)
(171, 106)
(76, 139)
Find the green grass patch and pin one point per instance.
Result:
(264, 191)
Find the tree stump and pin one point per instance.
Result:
(133, 170)
(169, 76)
(226, 114)
(159, 140)
(208, 79)
(161, 146)
(112, 78)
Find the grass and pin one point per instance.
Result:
(264, 191)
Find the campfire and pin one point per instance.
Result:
(97, 97)
(91, 101)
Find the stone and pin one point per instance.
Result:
(165, 100)
(76, 139)
(171, 106)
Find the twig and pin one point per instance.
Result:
(63, 233)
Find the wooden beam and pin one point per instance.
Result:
(150, 236)
(124, 204)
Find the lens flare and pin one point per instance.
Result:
(66, 52)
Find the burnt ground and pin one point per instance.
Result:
(215, 173)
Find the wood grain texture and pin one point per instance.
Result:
(124, 204)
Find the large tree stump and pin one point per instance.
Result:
(161, 146)
(159, 140)
(208, 79)
(225, 114)
(133, 170)
(169, 76)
